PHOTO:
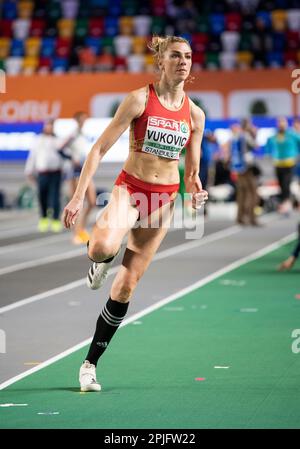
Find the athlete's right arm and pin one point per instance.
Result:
(130, 108)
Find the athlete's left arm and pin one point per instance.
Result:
(193, 152)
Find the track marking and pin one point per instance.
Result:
(161, 255)
(32, 363)
(63, 256)
(27, 229)
(13, 405)
(136, 317)
(33, 243)
(221, 367)
(43, 261)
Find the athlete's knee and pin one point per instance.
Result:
(99, 251)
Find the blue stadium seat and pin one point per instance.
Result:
(111, 26)
(265, 16)
(17, 47)
(278, 41)
(48, 46)
(115, 8)
(95, 43)
(60, 64)
(281, 4)
(9, 10)
(187, 36)
(217, 23)
(274, 59)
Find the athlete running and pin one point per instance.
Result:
(162, 120)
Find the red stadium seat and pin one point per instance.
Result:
(233, 21)
(293, 40)
(158, 7)
(6, 28)
(199, 42)
(63, 47)
(290, 58)
(96, 27)
(45, 62)
(87, 58)
(105, 62)
(120, 64)
(37, 27)
(198, 60)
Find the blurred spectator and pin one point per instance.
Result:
(283, 148)
(44, 167)
(76, 149)
(209, 148)
(296, 127)
(241, 146)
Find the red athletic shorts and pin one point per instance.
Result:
(147, 197)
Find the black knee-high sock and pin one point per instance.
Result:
(108, 322)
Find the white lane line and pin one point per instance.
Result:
(80, 251)
(158, 305)
(160, 255)
(17, 232)
(43, 261)
(34, 243)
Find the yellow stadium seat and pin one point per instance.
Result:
(65, 27)
(25, 9)
(126, 25)
(244, 58)
(279, 19)
(149, 63)
(4, 47)
(30, 64)
(139, 44)
(32, 46)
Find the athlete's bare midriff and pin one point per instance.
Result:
(152, 169)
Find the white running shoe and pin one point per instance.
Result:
(87, 377)
(98, 273)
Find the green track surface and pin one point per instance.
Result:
(148, 374)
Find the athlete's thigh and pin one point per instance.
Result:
(118, 216)
(143, 242)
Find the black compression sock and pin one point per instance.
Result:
(108, 322)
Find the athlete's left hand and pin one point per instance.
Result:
(199, 196)
(199, 199)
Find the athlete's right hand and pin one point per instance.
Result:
(71, 212)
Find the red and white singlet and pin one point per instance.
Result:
(160, 131)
